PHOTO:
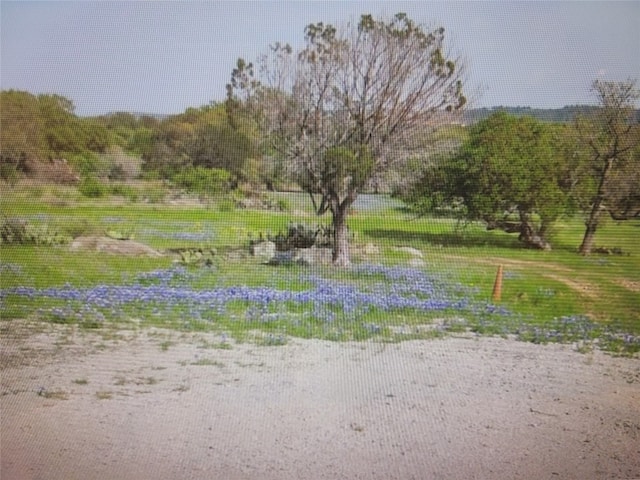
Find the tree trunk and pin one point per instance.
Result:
(594, 217)
(340, 236)
(589, 238)
(530, 237)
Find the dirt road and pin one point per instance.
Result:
(161, 405)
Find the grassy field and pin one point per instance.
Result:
(547, 296)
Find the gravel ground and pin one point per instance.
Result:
(155, 404)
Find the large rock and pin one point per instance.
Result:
(264, 251)
(113, 246)
(313, 256)
(371, 249)
(303, 256)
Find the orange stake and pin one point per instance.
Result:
(497, 286)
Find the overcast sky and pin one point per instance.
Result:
(163, 57)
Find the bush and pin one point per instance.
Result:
(153, 192)
(283, 205)
(78, 228)
(19, 232)
(89, 164)
(203, 181)
(9, 173)
(303, 236)
(124, 190)
(120, 165)
(13, 230)
(226, 205)
(117, 173)
(91, 187)
(57, 171)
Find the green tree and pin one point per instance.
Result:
(340, 109)
(44, 127)
(166, 152)
(21, 125)
(221, 147)
(508, 174)
(207, 182)
(608, 146)
(201, 137)
(62, 129)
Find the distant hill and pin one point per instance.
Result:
(138, 115)
(560, 115)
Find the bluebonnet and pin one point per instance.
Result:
(336, 303)
(187, 236)
(164, 291)
(164, 276)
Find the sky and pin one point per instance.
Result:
(164, 57)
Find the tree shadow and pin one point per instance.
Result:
(461, 238)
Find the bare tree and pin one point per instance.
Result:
(612, 140)
(341, 109)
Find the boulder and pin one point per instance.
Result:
(264, 251)
(303, 256)
(313, 256)
(371, 249)
(113, 246)
(282, 258)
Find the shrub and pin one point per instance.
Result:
(91, 187)
(153, 192)
(303, 236)
(9, 173)
(117, 173)
(78, 228)
(120, 165)
(226, 205)
(13, 230)
(283, 205)
(17, 231)
(89, 164)
(203, 181)
(57, 171)
(124, 190)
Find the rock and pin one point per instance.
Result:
(313, 256)
(371, 249)
(265, 251)
(282, 258)
(303, 256)
(113, 246)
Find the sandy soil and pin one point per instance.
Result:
(161, 405)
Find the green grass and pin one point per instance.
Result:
(537, 286)
(536, 283)
(53, 266)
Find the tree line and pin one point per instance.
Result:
(566, 114)
(44, 128)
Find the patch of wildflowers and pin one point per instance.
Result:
(186, 236)
(335, 308)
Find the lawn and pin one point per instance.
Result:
(555, 296)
